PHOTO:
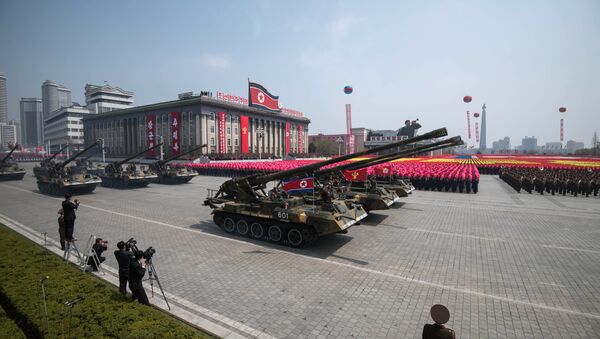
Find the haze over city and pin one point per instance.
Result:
(524, 60)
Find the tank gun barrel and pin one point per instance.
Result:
(66, 162)
(92, 154)
(174, 157)
(121, 162)
(454, 141)
(9, 153)
(259, 180)
(56, 154)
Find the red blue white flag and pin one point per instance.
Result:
(261, 98)
(303, 185)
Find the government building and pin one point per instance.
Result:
(229, 127)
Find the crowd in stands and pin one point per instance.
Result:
(447, 177)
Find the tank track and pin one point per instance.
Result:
(166, 180)
(288, 234)
(121, 184)
(54, 189)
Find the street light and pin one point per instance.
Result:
(103, 152)
(339, 140)
(260, 131)
(162, 153)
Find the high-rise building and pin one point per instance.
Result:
(8, 135)
(529, 144)
(65, 126)
(17, 125)
(54, 97)
(3, 101)
(482, 138)
(553, 147)
(106, 98)
(573, 146)
(32, 128)
(501, 145)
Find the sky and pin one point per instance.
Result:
(404, 59)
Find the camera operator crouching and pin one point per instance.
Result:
(96, 258)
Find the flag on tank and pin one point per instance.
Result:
(384, 171)
(356, 175)
(303, 185)
(261, 98)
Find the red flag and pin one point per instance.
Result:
(244, 131)
(261, 98)
(299, 185)
(356, 175)
(300, 148)
(175, 137)
(384, 171)
(150, 127)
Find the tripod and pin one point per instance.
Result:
(152, 275)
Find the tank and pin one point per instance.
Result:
(173, 175)
(242, 206)
(9, 169)
(115, 176)
(58, 179)
(37, 171)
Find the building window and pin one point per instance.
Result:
(236, 142)
(228, 130)
(212, 129)
(236, 131)
(212, 141)
(228, 142)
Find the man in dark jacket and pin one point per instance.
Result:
(96, 258)
(124, 257)
(137, 269)
(69, 211)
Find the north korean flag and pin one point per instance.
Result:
(384, 171)
(304, 185)
(356, 175)
(261, 98)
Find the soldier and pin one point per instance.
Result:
(440, 315)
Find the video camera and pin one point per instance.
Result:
(147, 254)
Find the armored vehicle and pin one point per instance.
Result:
(241, 205)
(58, 179)
(115, 176)
(37, 171)
(9, 169)
(173, 175)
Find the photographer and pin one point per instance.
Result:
(124, 257)
(96, 259)
(137, 269)
(69, 215)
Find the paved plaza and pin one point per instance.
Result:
(506, 264)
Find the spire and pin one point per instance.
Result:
(482, 144)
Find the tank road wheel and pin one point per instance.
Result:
(294, 236)
(257, 230)
(229, 225)
(242, 227)
(309, 235)
(275, 233)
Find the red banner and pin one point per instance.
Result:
(175, 136)
(562, 135)
(300, 149)
(356, 175)
(261, 98)
(150, 128)
(287, 138)
(221, 128)
(244, 131)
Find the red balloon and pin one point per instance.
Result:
(562, 109)
(467, 98)
(476, 115)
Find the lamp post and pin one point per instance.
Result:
(260, 132)
(162, 153)
(103, 152)
(340, 141)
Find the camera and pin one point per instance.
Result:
(148, 253)
(129, 244)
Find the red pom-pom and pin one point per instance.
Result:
(467, 98)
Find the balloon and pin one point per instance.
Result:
(562, 109)
(476, 115)
(348, 89)
(467, 98)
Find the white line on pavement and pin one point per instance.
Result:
(363, 269)
(571, 249)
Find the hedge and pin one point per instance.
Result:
(103, 313)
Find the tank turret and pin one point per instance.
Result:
(9, 169)
(115, 176)
(174, 175)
